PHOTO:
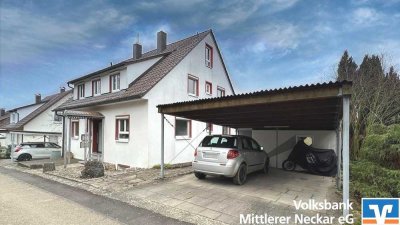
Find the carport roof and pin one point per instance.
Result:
(309, 107)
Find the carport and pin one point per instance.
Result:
(17, 137)
(311, 107)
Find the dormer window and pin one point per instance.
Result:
(96, 87)
(14, 117)
(81, 91)
(209, 56)
(114, 83)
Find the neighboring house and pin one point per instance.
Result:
(4, 121)
(116, 106)
(37, 122)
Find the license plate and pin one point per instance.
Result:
(210, 155)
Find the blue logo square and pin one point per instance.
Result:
(378, 211)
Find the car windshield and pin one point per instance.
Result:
(219, 142)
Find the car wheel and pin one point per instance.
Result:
(288, 165)
(266, 167)
(24, 157)
(200, 176)
(241, 175)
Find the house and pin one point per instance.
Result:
(37, 121)
(113, 114)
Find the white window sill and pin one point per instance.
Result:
(182, 138)
(75, 138)
(122, 140)
(115, 90)
(193, 95)
(209, 94)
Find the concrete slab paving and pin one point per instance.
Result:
(218, 198)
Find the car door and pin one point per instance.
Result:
(48, 148)
(260, 155)
(250, 155)
(37, 150)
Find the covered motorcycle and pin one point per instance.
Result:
(317, 161)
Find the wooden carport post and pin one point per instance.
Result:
(346, 150)
(162, 146)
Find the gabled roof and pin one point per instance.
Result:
(171, 56)
(4, 120)
(50, 100)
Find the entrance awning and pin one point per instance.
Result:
(311, 107)
(81, 114)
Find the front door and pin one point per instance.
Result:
(96, 136)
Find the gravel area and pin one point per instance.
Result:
(118, 180)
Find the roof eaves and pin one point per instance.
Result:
(117, 66)
(38, 111)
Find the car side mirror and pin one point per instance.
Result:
(261, 148)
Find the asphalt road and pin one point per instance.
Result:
(29, 199)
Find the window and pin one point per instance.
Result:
(254, 145)
(225, 130)
(209, 56)
(75, 129)
(208, 88)
(209, 127)
(81, 91)
(183, 128)
(220, 92)
(122, 128)
(219, 142)
(193, 85)
(57, 117)
(96, 87)
(14, 117)
(246, 143)
(114, 83)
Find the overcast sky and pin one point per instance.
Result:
(265, 44)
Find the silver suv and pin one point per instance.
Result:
(230, 156)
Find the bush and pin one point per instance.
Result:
(93, 169)
(382, 145)
(369, 179)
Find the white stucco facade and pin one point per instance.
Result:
(144, 144)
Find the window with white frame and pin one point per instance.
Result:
(96, 87)
(81, 91)
(208, 88)
(193, 85)
(114, 82)
(122, 128)
(75, 129)
(209, 56)
(220, 92)
(183, 128)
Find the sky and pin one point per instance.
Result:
(265, 44)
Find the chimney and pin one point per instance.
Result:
(137, 51)
(62, 89)
(2, 111)
(38, 98)
(161, 41)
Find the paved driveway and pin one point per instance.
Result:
(220, 199)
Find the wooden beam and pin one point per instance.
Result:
(257, 99)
